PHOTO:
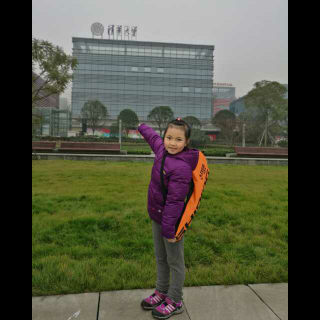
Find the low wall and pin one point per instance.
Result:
(145, 158)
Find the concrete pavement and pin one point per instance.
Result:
(147, 158)
(240, 302)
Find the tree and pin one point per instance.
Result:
(94, 113)
(129, 120)
(284, 121)
(193, 122)
(198, 138)
(268, 98)
(53, 66)
(226, 121)
(161, 116)
(114, 130)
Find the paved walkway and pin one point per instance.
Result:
(252, 302)
(147, 158)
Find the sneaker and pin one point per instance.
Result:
(167, 309)
(153, 301)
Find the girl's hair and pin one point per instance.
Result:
(179, 123)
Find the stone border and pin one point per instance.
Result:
(237, 302)
(145, 158)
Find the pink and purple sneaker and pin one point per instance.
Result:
(167, 309)
(153, 301)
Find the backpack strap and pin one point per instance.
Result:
(163, 187)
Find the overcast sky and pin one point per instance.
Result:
(250, 36)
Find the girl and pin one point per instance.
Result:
(179, 163)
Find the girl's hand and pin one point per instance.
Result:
(172, 240)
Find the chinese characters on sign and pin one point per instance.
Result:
(126, 32)
(119, 31)
(111, 30)
(97, 30)
(223, 84)
(134, 31)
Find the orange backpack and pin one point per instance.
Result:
(199, 179)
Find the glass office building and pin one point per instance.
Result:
(140, 76)
(53, 122)
(223, 95)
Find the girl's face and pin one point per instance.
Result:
(175, 140)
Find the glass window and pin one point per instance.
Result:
(134, 69)
(160, 70)
(185, 89)
(156, 49)
(147, 69)
(198, 90)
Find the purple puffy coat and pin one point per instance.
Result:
(178, 174)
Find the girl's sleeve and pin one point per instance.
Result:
(178, 188)
(153, 139)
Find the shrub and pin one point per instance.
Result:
(283, 144)
(198, 138)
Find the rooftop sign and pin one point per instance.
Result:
(97, 30)
(215, 84)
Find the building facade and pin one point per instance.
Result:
(140, 76)
(223, 95)
(43, 101)
(50, 120)
(238, 106)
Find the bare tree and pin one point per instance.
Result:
(161, 116)
(94, 113)
(226, 121)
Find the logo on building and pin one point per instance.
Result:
(97, 29)
(215, 84)
(111, 30)
(134, 31)
(126, 32)
(119, 32)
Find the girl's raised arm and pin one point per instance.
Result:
(153, 139)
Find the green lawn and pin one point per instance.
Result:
(91, 231)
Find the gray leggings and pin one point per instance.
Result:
(170, 258)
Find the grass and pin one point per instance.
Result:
(91, 231)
